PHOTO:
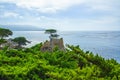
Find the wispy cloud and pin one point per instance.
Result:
(62, 14)
(52, 6)
(45, 5)
(10, 15)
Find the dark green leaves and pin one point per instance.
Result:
(5, 33)
(21, 41)
(50, 31)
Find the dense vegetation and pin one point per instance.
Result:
(20, 41)
(5, 33)
(73, 64)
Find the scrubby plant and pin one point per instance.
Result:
(73, 64)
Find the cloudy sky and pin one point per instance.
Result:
(62, 14)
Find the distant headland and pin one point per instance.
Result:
(23, 27)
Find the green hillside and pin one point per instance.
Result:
(73, 64)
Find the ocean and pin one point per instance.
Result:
(103, 43)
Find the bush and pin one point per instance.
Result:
(73, 64)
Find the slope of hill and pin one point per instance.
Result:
(74, 64)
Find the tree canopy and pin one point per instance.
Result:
(21, 41)
(50, 31)
(5, 33)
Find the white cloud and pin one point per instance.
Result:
(52, 6)
(102, 23)
(106, 20)
(11, 15)
(45, 5)
(67, 24)
(98, 4)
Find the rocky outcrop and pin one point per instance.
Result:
(50, 45)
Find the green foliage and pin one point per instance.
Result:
(50, 31)
(2, 41)
(73, 64)
(21, 41)
(37, 47)
(5, 33)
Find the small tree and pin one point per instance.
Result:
(50, 31)
(53, 35)
(5, 33)
(21, 41)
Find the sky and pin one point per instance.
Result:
(63, 15)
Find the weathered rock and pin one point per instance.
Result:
(54, 42)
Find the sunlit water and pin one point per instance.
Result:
(105, 43)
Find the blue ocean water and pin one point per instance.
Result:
(105, 43)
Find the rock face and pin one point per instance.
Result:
(50, 45)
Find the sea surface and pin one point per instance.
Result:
(104, 43)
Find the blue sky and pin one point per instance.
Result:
(62, 14)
